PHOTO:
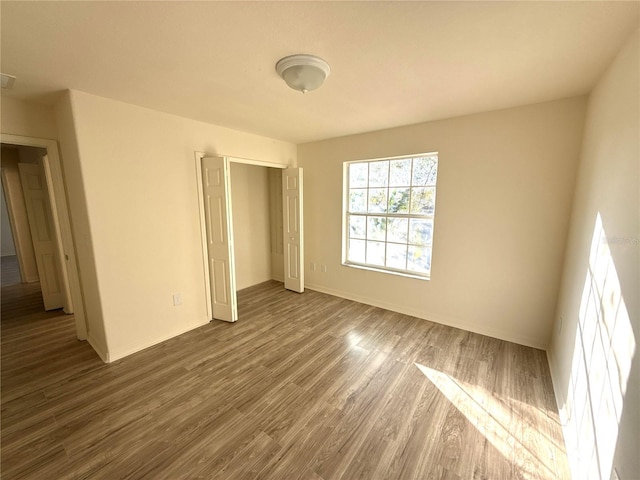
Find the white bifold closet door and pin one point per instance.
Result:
(217, 209)
(219, 234)
(293, 229)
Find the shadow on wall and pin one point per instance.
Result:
(603, 353)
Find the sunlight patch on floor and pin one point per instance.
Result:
(514, 435)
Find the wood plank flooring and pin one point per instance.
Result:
(304, 386)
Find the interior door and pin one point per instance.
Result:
(293, 229)
(67, 302)
(217, 209)
(42, 233)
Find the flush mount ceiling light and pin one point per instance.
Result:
(303, 72)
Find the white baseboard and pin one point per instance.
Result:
(568, 433)
(99, 349)
(451, 322)
(125, 353)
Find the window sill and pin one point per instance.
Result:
(384, 270)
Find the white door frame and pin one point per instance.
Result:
(203, 232)
(72, 292)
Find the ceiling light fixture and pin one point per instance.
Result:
(7, 80)
(303, 72)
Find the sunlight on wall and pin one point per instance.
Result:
(603, 352)
(498, 418)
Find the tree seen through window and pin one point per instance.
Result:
(390, 209)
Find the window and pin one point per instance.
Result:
(388, 217)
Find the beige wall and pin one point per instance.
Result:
(505, 185)
(134, 176)
(27, 119)
(276, 228)
(597, 332)
(250, 204)
(78, 211)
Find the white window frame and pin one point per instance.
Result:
(346, 213)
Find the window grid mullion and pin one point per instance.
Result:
(366, 221)
(387, 216)
(425, 216)
(410, 200)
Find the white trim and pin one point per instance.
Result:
(451, 322)
(62, 225)
(397, 157)
(97, 347)
(249, 161)
(386, 270)
(112, 357)
(203, 233)
(568, 433)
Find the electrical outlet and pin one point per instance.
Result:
(324, 268)
(177, 299)
(312, 266)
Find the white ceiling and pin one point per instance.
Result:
(393, 63)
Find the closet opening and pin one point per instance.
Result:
(251, 228)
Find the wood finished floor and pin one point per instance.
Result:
(306, 386)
